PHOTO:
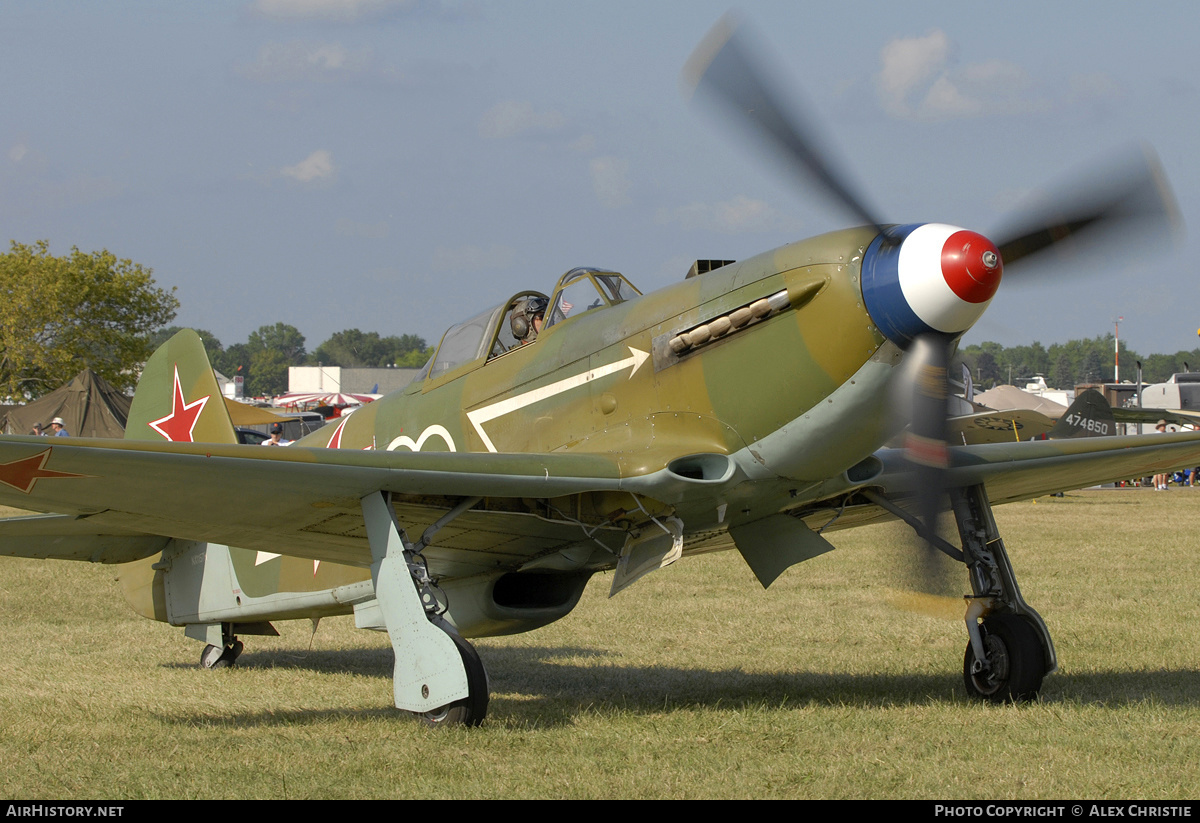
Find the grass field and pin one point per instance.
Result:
(694, 683)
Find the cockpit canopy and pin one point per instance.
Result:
(488, 334)
(582, 289)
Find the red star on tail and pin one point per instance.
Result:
(177, 426)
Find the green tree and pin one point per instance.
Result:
(356, 349)
(1091, 369)
(268, 373)
(266, 356)
(1063, 375)
(351, 349)
(285, 339)
(233, 361)
(212, 346)
(81, 310)
(987, 370)
(415, 359)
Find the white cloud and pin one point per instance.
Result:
(738, 215)
(473, 258)
(917, 80)
(299, 60)
(17, 153)
(316, 167)
(908, 63)
(946, 99)
(509, 118)
(342, 11)
(610, 179)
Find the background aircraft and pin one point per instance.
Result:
(1089, 416)
(745, 407)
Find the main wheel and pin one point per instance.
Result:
(1016, 661)
(471, 710)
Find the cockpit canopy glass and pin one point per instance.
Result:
(581, 290)
(463, 343)
(489, 333)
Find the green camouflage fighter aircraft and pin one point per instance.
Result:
(745, 407)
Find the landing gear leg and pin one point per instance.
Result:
(224, 655)
(1010, 650)
(438, 675)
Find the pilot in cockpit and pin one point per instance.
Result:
(527, 318)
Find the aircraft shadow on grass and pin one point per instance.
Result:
(563, 691)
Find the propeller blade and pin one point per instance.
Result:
(929, 577)
(1132, 194)
(722, 67)
(925, 441)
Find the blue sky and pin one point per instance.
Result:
(398, 166)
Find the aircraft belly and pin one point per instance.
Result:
(488, 541)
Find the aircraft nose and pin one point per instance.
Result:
(929, 277)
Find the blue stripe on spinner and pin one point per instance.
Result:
(881, 290)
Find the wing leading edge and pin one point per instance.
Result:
(1018, 471)
(302, 502)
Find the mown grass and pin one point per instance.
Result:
(693, 683)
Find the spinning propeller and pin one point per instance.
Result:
(925, 284)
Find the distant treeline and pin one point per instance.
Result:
(1066, 365)
(264, 358)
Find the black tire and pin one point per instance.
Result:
(1018, 662)
(228, 656)
(471, 710)
(213, 657)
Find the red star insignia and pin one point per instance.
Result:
(177, 426)
(22, 474)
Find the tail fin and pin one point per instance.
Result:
(1089, 416)
(178, 398)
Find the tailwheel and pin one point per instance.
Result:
(471, 710)
(1015, 661)
(220, 657)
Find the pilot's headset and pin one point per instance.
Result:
(521, 321)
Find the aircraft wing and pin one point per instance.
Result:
(1018, 471)
(306, 502)
(297, 501)
(997, 426)
(63, 537)
(1149, 417)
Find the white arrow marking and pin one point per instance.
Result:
(483, 415)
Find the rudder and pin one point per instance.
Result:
(1089, 416)
(178, 398)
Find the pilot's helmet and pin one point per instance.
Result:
(525, 310)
